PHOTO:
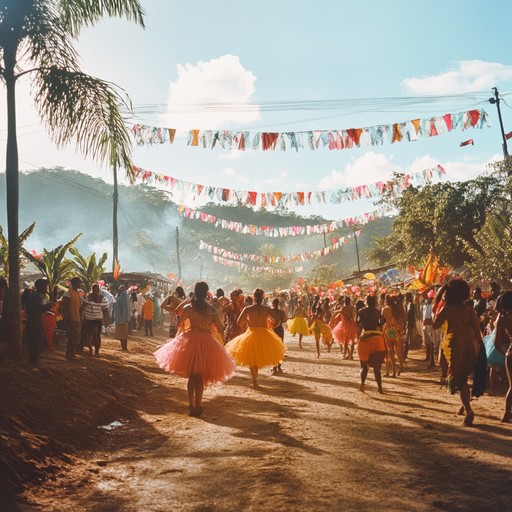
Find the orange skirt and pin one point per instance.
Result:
(369, 345)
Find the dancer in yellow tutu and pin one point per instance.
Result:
(298, 324)
(318, 328)
(258, 346)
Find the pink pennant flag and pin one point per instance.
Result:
(467, 143)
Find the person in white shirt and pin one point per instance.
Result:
(94, 305)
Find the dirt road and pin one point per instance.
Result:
(307, 441)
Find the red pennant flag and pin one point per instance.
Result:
(508, 135)
(467, 143)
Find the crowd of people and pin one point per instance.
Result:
(209, 333)
(450, 324)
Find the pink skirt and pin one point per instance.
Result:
(196, 353)
(345, 331)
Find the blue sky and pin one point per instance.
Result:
(281, 50)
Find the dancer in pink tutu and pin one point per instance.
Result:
(345, 332)
(195, 354)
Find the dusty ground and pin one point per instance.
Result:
(308, 441)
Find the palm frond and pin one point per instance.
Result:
(82, 13)
(76, 106)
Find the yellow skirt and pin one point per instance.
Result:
(257, 347)
(320, 328)
(298, 325)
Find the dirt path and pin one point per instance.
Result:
(309, 440)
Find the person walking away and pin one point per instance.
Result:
(462, 344)
(279, 318)
(195, 354)
(371, 347)
(71, 313)
(122, 316)
(298, 324)
(148, 310)
(36, 303)
(258, 346)
(428, 329)
(94, 306)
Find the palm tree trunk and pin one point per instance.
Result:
(115, 239)
(12, 192)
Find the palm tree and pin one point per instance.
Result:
(52, 263)
(88, 269)
(37, 39)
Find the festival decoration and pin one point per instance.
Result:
(247, 268)
(192, 191)
(377, 135)
(226, 253)
(282, 231)
(431, 274)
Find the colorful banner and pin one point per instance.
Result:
(232, 255)
(410, 130)
(246, 268)
(275, 232)
(184, 191)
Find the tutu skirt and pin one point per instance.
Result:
(193, 353)
(345, 331)
(321, 328)
(298, 325)
(370, 344)
(257, 347)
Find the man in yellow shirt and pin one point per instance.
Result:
(71, 313)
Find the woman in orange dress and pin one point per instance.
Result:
(371, 347)
(195, 354)
(345, 331)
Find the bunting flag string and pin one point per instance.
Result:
(338, 242)
(247, 268)
(184, 191)
(409, 131)
(282, 231)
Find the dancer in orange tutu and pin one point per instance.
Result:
(345, 331)
(258, 346)
(371, 347)
(196, 354)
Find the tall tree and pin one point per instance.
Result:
(4, 249)
(37, 38)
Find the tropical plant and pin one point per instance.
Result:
(4, 249)
(323, 275)
(88, 269)
(37, 39)
(53, 263)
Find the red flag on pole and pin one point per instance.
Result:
(508, 135)
(467, 143)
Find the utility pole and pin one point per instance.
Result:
(357, 251)
(496, 100)
(115, 236)
(178, 251)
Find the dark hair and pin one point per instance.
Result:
(133, 296)
(370, 301)
(504, 302)
(199, 300)
(347, 301)
(258, 295)
(181, 292)
(457, 292)
(359, 305)
(275, 302)
(219, 292)
(40, 283)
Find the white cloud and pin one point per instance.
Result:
(369, 168)
(229, 171)
(467, 170)
(221, 80)
(234, 154)
(467, 76)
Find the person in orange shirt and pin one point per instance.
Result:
(148, 310)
